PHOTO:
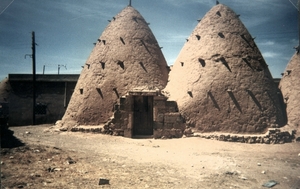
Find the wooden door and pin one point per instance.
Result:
(143, 115)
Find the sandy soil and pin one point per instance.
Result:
(42, 158)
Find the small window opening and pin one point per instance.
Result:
(40, 109)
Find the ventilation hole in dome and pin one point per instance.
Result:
(102, 64)
(288, 72)
(259, 69)
(187, 40)
(99, 40)
(182, 63)
(247, 62)
(263, 63)
(104, 42)
(100, 92)
(246, 40)
(198, 37)
(225, 63)
(254, 99)
(202, 62)
(221, 35)
(121, 64)
(145, 46)
(213, 100)
(122, 40)
(81, 91)
(142, 65)
(116, 91)
(190, 93)
(88, 66)
(135, 19)
(218, 13)
(243, 37)
(237, 105)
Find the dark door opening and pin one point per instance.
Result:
(143, 115)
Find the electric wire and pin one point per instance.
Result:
(7, 7)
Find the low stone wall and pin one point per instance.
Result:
(273, 136)
(85, 129)
(167, 133)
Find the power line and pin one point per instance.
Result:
(7, 7)
(294, 5)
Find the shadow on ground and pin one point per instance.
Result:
(8, 140)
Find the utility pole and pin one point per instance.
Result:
(33, 78)
(129, 2)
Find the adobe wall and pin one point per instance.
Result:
(126, 56)
(221, 81)
(50, 98)
(290, 87)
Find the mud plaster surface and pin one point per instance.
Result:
(220, 79)
(125, 57)
(290, 88)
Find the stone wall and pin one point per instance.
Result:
(167, 121)
(273, 136)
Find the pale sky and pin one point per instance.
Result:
(65, 30)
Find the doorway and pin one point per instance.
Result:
(143, 115)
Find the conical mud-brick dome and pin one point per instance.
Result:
(290, 88)
(220, 79)
(126, 56)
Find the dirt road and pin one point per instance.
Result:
(143, 163)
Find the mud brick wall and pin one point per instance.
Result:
(167, 121)
(52, 97)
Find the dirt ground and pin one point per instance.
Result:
(36, 157)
